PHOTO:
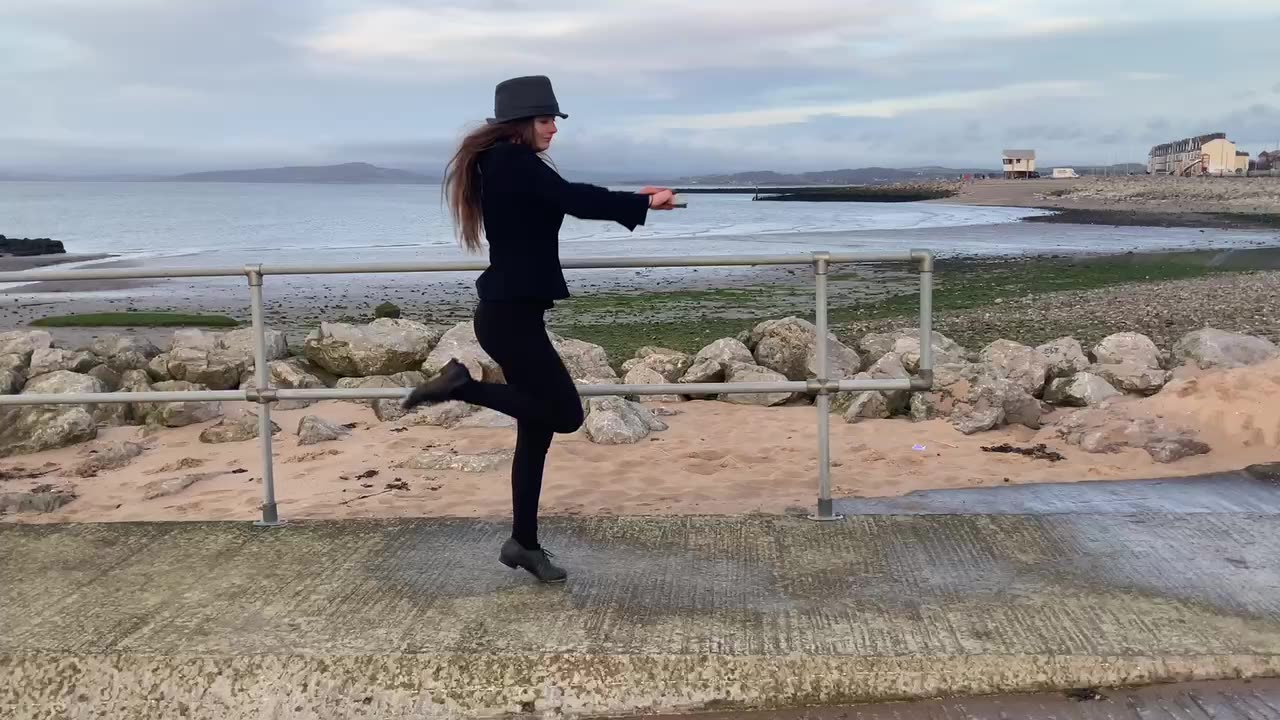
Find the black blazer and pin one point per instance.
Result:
(524, 203)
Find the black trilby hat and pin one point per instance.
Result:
(524, 97)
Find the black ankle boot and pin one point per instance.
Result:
(536, 562)
(439, 388)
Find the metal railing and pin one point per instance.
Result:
(264, 394)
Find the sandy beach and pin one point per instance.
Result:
(716, 458)
(1212, 202)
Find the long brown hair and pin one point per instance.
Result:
(462, 176)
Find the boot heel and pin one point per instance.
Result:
(509, 563)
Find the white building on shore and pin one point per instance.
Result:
(1211, 154)
(1019, 164)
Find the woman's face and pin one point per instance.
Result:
(544, 128)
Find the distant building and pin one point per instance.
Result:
(1019, 163)
(1268, 160)
(1211, 154)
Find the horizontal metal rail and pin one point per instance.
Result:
(598, 390)
(670, 261)
(264, 394)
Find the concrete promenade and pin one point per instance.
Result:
(415, 618)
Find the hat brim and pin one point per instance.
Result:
(495, 121)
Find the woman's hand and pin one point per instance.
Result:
(660, 199)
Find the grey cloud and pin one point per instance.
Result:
(1045, 132)
(187, 84)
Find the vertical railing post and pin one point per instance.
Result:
(822, 352)
(264, 397)
(925, 257)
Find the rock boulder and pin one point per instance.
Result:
(1083, 389)
(178, 414)
(313, 430)
(584, 359)
(383, 347)
(670, 364)
(789, 346)
(1065, 357)
(737, 372)
(1024, 366)
(460, 343)
(24, 342)
(1105, 430)
(615, 421)
(47, 360)
(245, 427)
(1210, 348)
(1127, 348)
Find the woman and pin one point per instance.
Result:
(498, 185)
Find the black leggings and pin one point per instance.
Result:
(539, 394)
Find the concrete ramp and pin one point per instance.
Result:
(415, 618)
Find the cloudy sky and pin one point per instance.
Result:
(651, 86)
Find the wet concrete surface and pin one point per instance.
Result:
(1226, 700)
(1256, 490)
(414, 617)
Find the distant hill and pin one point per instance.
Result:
(848, 176)
(353, 173)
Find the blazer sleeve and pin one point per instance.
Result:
(581, 200)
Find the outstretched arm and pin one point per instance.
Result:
(581, 200)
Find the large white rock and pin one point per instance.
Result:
(113, 344)
(193, 339)
(383, 347)
(888, 367)
(179, 414)
(789, 346)
(1127, 348)
(1084, 389)
(993, 401)
(863, 404)
(906, 343)
(291, 374)
(1210, 348)
(710, 363)
(445, 414)
(747, 373)
(216, 369)
(1024, 366)
(34, 429)
(245, 427)
(13, 362)
(584, 360)
(24, 342)
(1133, 377)
(1065, 357)
(312, 430)
(11, 381)
(670, 364)
(1105, 430)
(615, 421)
(390, 409)
(646, 375)
(241, 343)
(63, 381)
(47, 360)
(459, 342)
